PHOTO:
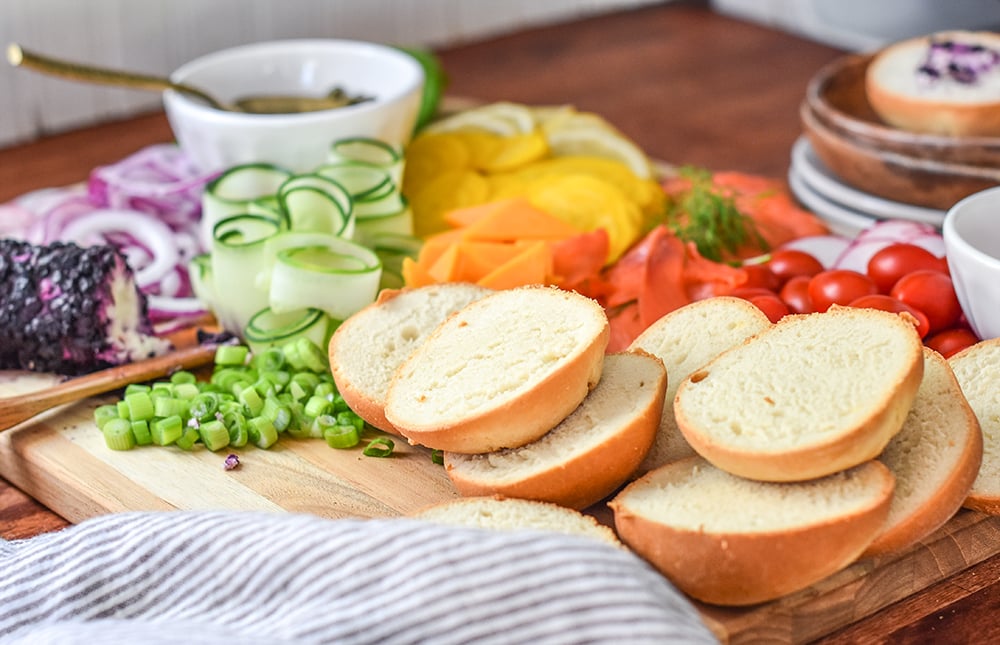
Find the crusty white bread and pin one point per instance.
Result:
(511, 514)
(501, 372)
(685, 340)
(727, 540)
(910, 101)
(368, 347)
(935, 459)
(972, 366)
(589, 454)
(810, 395)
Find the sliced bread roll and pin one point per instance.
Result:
(726, 540)
(935, 458)
(946, 83)
(589, 454)
(368, 347)
(972, 367)
(512, 514)
(811, 395)
(685, 340)
(501, 372)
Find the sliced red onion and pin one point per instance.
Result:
(151, 232)
(882, 234)
(165, 307)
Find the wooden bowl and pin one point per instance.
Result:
(838, 100)
(918, 180)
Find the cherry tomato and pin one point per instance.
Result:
(892, 305)
(795, 294)
(892, 262)
(933, 293)
(749, 292)
(788, 263)
(772, 306)
(838, 286)
(760, 275)
(951, 341)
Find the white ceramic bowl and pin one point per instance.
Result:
(972, 245)
(216, 139)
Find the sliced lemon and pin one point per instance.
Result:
(502, 118)
(599, 142)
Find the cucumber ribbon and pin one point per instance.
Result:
(296, 254)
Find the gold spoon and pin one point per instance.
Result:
(263, 104)
(22, 407)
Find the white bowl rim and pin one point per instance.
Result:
(950, 231)
(209, 113)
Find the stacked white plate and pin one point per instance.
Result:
(845, 209)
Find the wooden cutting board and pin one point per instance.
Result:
(61, 460)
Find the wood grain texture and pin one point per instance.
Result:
(62, 461)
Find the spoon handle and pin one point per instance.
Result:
(14, 410)
(18, 56)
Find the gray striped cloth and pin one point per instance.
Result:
(228, 577)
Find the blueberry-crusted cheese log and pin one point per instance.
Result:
(70, 309)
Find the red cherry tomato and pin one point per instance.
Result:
(892, 305)
(838, 286)
(795, 294)
(788, 263)
(892, 262)
(760, 275)
(771, 305)
(933, 293)
(951, 341)
(749, 292)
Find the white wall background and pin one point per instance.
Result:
(155, 36)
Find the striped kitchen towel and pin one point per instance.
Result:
(248, 577)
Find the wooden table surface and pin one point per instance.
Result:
(690, 86)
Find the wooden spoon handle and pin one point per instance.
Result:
(14, 410)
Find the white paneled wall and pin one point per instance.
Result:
(155, 36)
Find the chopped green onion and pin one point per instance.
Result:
(140, 406)
(136, 387)
(140, 429)
(182, 376)
(167, 430)
(341, 436)
(188, 438)
(437, 456)
(214, 435)
(239, 430)
(271, 359)
(104, 413)
(118, 434)
(317, 406)
(231, 355)
(186, 391)
(204, 406)
(168, 406)
(249, 397)
(262, 432)
(379, 447)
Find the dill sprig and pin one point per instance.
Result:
(708, 216)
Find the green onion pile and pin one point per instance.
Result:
(251, 398)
